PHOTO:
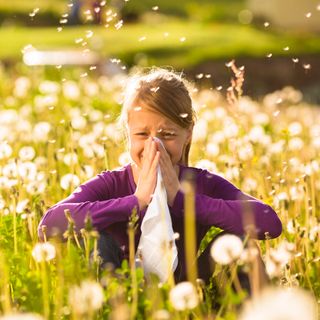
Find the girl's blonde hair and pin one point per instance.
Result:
(165, 92)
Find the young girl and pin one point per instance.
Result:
(158, 104)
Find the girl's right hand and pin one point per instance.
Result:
(148, 174)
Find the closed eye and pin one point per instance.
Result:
(141, 134)
(167, 134)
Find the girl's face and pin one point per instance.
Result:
(143, 123)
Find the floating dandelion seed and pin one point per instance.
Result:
(199, 76)
(286, 48)
(184, 296)
(44, 252)
(65, 15)
(269, 55)
(79, 40)
(59, 66)
(93, 68)
(119, 24)
(103, 3)
(230, 64)
(166, 34)
(63, 21)
(208, 76)
(279, 100)
(307, 66)
(34, 12)
(219, 88)
(89, 34)
(295, 60)
(137, 108)
(308, 15)
(183, 115)
(183, 39)
(266, 24)
(276, 113)
(155, 89)
(59, 29)
(142, 38)
(155, 8)
(83, 75)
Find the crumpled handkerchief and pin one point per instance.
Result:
(157, 244)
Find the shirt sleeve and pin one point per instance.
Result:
(223, 205)
(94, 199)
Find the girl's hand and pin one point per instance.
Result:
(148, 174)
(169, 175)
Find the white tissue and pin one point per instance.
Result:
(157, 244)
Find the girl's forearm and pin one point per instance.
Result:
(102, 213)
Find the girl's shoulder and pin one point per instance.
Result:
(198, 173)
(208, 182)
(118, 174)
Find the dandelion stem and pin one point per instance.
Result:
(134, 303)
(4, 286)
(45, 290)
(190, 230)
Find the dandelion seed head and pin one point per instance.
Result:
(226, 249)
(269, 305)
(87, 297)
(5, 150)
(43, 252)
(69, 180)
(184, 296)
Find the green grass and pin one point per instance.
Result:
(203, 42)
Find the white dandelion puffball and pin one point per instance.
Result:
(226, 249)
(44, 252)
(280, 304)
(21, 316)
(87, 297)
(184, 296)
(69, 180)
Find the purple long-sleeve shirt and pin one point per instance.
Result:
(109, 199)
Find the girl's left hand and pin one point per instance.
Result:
(169, 174)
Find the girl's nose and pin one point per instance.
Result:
(158, 140)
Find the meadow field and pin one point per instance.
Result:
(59, 128)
